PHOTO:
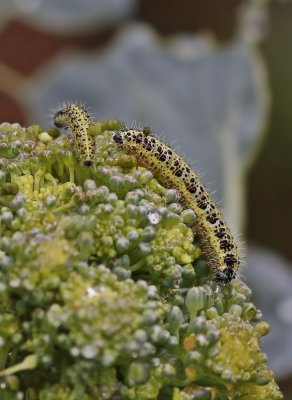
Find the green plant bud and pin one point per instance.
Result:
(102, 194)
(194, 301)
(261, 380)
(130, 182)
(15, 224)
(263, 328)
(50, 201)
(2, 176)
(146, 177)
(249, 311)
(116, 183)
(132, 198)
(22, 214)
(178, 300)
(212, 313)
(175, 208)
(149, 317)
(94, 129)
(235, 310)
(126, 161)
(89, 184)
(33, 131)
(122, 273)
(7, 217)
(138, 373)
(148, 233)
(106, 209)
(5, 261)
(9, 188)
(175, 320)
(133, 236)
(144, 249)
(159, 335)
(122, 244)
(112, 198)
(54, 132)
(172, 196)
(45, 137)
(188, 217)
(83, 209)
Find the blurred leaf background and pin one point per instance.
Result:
(213, 78)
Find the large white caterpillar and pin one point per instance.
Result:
(171, 170)
(78, 120)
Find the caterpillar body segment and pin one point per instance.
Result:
(78, 120)
(172, 171)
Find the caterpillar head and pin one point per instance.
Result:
(60, 119)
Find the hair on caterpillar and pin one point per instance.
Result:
(171, 170)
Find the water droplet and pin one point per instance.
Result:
(91, 292)
(89, 351)
(154, 218)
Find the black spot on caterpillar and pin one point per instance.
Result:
(172, 171)
(78, 120)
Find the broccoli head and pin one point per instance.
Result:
(103, 290)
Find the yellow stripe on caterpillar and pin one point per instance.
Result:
(78, 120)
(172, 171)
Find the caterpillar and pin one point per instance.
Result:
(171, 170)
(78, 120)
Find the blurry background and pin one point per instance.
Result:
(213, 78)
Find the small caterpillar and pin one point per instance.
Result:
(78, 120)
(172, 171)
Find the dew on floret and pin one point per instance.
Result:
(75, 351)
(89, 351)
(154, 218)
(144, 248)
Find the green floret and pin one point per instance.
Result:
(103, 294)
